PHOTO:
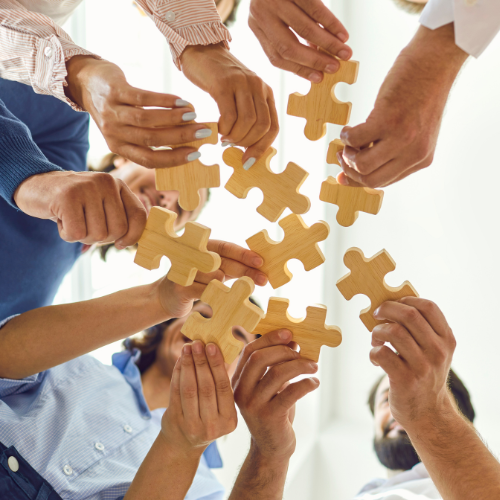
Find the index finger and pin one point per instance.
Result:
(136, 218)
(225, 398)
(324, 16)
(235, 252)
(139, 97)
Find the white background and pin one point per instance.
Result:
(440, 226)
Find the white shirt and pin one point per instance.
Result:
(413, 484)
(477, 22)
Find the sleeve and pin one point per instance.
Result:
(477, 22)
(186, 22)
(34, 50)
(20, 158)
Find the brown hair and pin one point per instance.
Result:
(409, 6)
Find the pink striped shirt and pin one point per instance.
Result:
(34, 48)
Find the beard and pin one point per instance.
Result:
(396, 453)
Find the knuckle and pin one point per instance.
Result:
(411, 314)
(189, 392)
(140, 118)
(206, 391)
(285, 50)
(255, 357)
(224, 386)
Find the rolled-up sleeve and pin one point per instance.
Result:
(477, 22)
(34, 50)
(186, 22)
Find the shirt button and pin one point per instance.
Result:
(170, 16)
(48, 52)
(99, 446)
(67, 470)
(146, 417)
(127, 428)
(13, 464)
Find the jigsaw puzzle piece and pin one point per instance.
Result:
(334, 147)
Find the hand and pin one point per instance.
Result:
(120, 111)
(273, 22)
(89, 207)
(201, 407)
(418, 372)
(405, 122)
(246, 104)
(263, 392)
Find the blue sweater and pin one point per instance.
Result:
(38, 134)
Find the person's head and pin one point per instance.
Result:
(162, 344)
(411, 6)
(227, 10)
(391, 442)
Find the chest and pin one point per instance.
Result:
(58, 10)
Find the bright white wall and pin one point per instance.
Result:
(438, 225)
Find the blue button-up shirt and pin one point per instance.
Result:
(85, 427)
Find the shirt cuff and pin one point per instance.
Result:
(437, 13)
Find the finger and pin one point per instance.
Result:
(234, 252)
(278, 375)
(72, 227)
(206, 278)
(225, 398)
(278, 337)
(136, 217)
(322, 15)
(367, 160)
(115, 212)
(234, 269)
(138, 97)
(207, 398)
(157, 159)
(361, 135)
(150, 118)
(388, 360)
(286, 399)
(189, 387)
(175, 404)
(95, 219)
(228, 112)
(246, 116)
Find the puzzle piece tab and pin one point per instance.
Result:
(367, 278)
(280, 190)
(188, 179)
(300, 242)
(230, 307)
(320, 105)
(351, 200)
(187, 253)
(334, 147)
(310, 332)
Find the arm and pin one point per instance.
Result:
(266, 399)
(458, 462)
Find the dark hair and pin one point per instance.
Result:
(409, 6)
(151, 338)
(456, 386)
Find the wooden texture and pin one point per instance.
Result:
(320, 105)
(187, 253)
(310, 332)
(350, 200)
(333, 148)
(230, 307)
(280, 190)
(300, 242)
(188, 179)
(367, 278)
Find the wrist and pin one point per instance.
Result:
(76, 69)
(180, 449)
(153, 299)
(276, 459)
(195, 51)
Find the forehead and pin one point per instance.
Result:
(382, 388)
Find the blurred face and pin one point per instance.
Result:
(141, 182)
(173, 340)
(392, 444)
(418, 1)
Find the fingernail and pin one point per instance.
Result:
(257, 262)
(331, 68)
(342, 37)
(119, 246)
(376, 313)
(193, 156)
(315, 380)
(211, 349)
(314, 366)
(181, 103)
(202, 133)
(344, 54)
(187, 117)
(248, 163)
(225, 144)
(285, 334)
(315, 77)
(187, 349)
(261, 279)
(197, 347)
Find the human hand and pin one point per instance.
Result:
(263, 392)
(276, 24)
(418, 372)
(89, 207)
(405, 122)
(120, 111)
(246, 104)
(201, 407)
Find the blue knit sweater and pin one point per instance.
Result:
(38, 134)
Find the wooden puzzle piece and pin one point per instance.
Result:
(188, 179)
(187, 253)
(230, 307)
(280, 190)
(334, 147)
(367, 278)
(300, 242)
(310, 332)
(320, 105)
(351, 200)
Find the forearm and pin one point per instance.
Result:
(260, 477)
(165, 473)
(458, 462)
(48, 336)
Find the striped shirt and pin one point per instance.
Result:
(34, 48)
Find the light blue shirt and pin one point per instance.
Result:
(85, 427)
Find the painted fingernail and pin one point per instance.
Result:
(315, 77)
(285, 334)
(187, 117)
(248, 163)
(331, 68)
(211, 349)
(187, 349)
(344, 54)
(181, 103)
(225, 144)
(197, 347)
(257, 261)
(202, 133)
(193, 156)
